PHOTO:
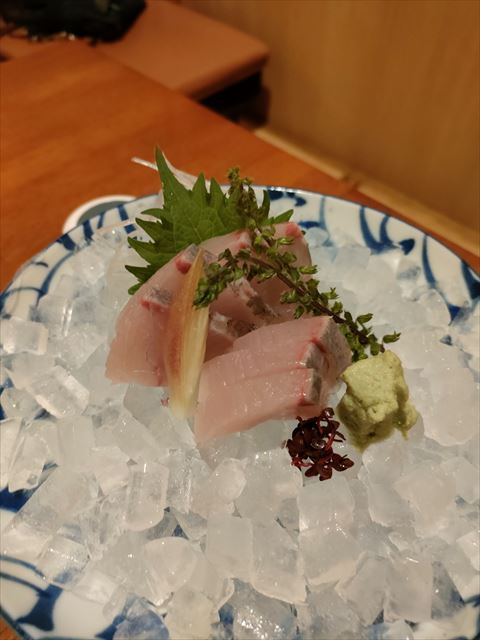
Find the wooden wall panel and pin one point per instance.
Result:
(388, 87)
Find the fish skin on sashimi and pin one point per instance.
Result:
(255, 400)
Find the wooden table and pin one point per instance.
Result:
(71, 120)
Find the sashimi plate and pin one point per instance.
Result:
(36, 609)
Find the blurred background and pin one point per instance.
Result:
(383, 94)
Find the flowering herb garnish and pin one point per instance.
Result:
(311, 446)
(267, 258)
(192, 216)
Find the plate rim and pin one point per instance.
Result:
(267, 187)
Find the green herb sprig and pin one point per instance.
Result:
(267, 258)
(192, 216)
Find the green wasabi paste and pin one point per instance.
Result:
(376, 400)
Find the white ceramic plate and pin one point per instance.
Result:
(38, 610)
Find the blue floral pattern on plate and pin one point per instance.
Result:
(37, 609)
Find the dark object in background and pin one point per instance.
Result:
(97, 19)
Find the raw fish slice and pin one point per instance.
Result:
(272, 289)
(299, 246)
(222, 333)
(136, 352)
(240, 301)
(321, 330)
(227, 370)
(254, 400)
(234, 241)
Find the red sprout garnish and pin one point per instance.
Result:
(311, 446)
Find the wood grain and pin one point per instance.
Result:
(71, 120)
(389, 88)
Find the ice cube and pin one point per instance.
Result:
(398, 630)
(190, 615)
(9, 430)
(329, 554)
(94, 585)
(47, 431)
(278, 570)
(125, 563)
(55, 312)
(67, 285)
(446, 599)
(385, 506)
(187, 473)
(59, 393)
(437, 313)
(88, 311)
(364, 592)
(171, 432)
(452, 416)
(90, 264)
(171, 562)
(316, 237)
(145, 404)
(327, 616)
(220, 489)
(109, 465)
(24, 367)
(62, 495)
(469, 544)
(461, 571)
(430, 493)
(77, 347)
(142, 623)
(28, 461)
(165, 528)
(212, 583)
(18, 403)
(20, 335)
(409, 590)
(146, 495)
(135, 440)
(385, 460)
(288, 515)
(62, 561)
(326, 503)
(229, 545)
(270, 480)
(258, 617)
(467, 478)
(76, 441)
(193, 525)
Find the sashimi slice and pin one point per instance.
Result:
(136, 352)
(222, 333)
(240, 301)
(255, 400)
(272, 289)
(299, 246)
(234, 241)
(228, 369)
(321, 330)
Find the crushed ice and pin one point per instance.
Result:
(229, 541)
